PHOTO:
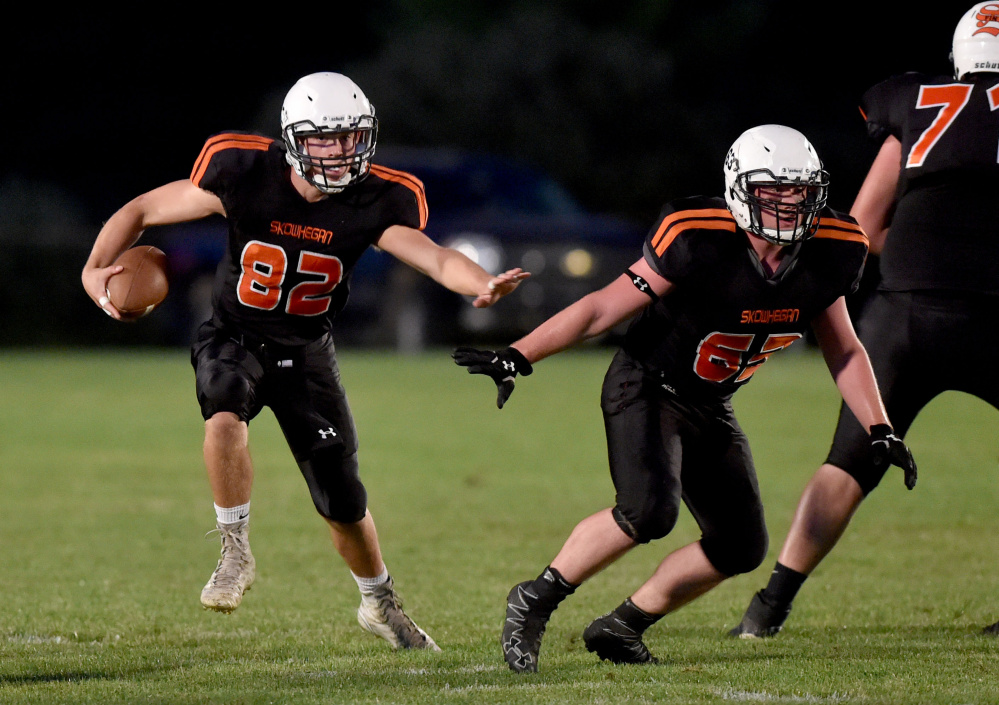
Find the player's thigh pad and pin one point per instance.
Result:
(644, 454)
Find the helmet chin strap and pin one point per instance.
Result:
(328, 187)
(774, 234)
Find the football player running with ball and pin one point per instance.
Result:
(301, 211)
(722, 285)
(928, 204)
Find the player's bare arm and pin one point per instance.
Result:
(851, 368)
(448, 267)
(849, 365)
(176, 202)
(593, 314)
(873, 205)
(590, 316)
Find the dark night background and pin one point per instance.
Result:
(629, 103)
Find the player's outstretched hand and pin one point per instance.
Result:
(502, 365)
(888, 449)
(499, 286)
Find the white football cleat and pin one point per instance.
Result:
(235, 571)
(381, 614)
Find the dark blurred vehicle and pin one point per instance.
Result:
(502, 215)
(499, 213)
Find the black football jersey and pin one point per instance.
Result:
(286, 269)
(725, 315)
(942, 235)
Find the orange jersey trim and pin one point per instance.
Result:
(702, 219)
(225, 141)
(410, 182)
(836, 229)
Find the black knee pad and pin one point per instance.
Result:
(859, 466)
(733, 554)
(226, 375)
(648, 525)
(335, 485)
(851, 451)
(224, 389)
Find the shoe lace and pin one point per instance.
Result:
(234, 552)
(390, 606)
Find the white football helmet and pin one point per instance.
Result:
(777, 156)
(328, 104)
(976, 41)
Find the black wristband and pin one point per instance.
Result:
(523, 366)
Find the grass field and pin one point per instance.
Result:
(104, 508)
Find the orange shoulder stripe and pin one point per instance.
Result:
(225, 141)
(836, 229)
(702, 219)
(410, 182)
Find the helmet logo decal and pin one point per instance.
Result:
(987, 20)
(731, 161)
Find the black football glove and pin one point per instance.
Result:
(502, 365)
(888, 449)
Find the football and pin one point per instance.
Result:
(143, 283)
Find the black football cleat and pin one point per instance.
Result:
(761, 620)
(992, 629)
(613, 640)
(522, 631)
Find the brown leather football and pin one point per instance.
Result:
(142, 285)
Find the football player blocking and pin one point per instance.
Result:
(927, 204)
(301, 211)
(721, 285)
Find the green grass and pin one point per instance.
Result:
(104, 507)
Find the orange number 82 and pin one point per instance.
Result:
(263, 268)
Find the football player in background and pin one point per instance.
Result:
(301, 211)
(928, 205)
(722, 285)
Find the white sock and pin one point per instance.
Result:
(368, 585)
(230, 515)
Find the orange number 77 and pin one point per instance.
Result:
(951, 99)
